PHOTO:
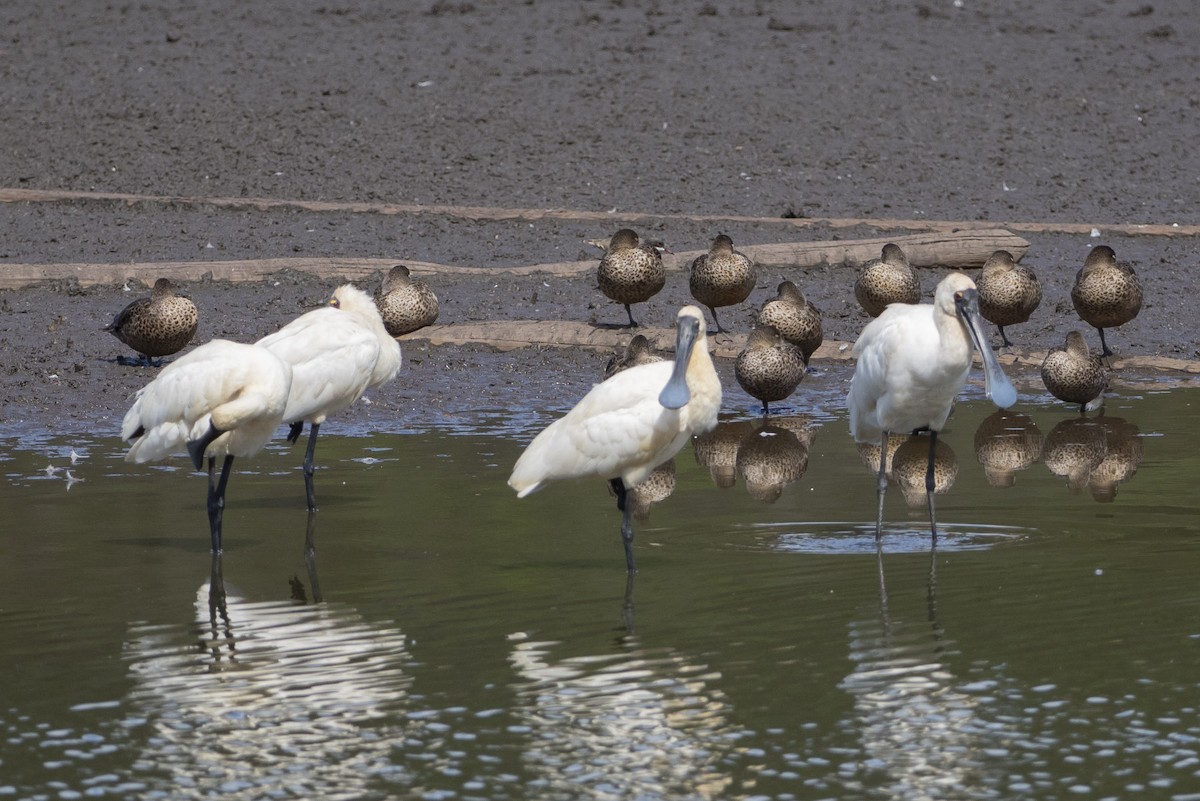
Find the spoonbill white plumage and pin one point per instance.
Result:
(221, 399)
(337, 353)
(629, 424)
(912, 361)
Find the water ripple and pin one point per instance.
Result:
(845, 537)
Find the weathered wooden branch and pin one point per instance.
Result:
(615, 219)
(957, 249)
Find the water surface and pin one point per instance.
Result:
(445, 640)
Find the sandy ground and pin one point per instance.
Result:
(650, 113)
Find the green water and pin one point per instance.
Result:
(449, 641)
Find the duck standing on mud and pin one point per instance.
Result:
(631, 271)
(722, 277)
(1008, 292)
(1106, 294)
(159, 325)
(888, 279)
(795, 318)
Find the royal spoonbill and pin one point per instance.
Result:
(159, 325)
(769, 367)
(337, 353)
(1106, 294)
(912, 362)
(629, 424)
(631, 271)
(221, 399)
(888, 279)
(1074, 374)
(1008, 292)
(405, 303)
(721, 277)
(794, 317)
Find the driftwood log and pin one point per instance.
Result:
(20, 195)
(952, 249)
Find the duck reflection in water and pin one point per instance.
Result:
(717, 450)
(770, 458)
(1096, 454)
(767, 455)
(1123, 453)
(1006, 443)
(910, 467)
(657, 487)
(634, 723)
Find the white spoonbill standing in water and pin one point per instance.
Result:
(913, 360)
(629, 424)
(337, 353)
(221, 399)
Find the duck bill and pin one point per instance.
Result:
(676, 394)
(996, 384)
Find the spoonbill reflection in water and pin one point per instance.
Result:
(337, 353)
(912, 361)
(221, 399)
(629, 424)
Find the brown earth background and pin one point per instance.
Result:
(287, 145)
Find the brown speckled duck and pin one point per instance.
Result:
(1074, 374)
(638, 351)
(1106, 294)
(159, 325)
(404, 303)
(1008, 293)
(631, 271)
(888, 279)
(769, 368)
(722, 277)
(795, 318)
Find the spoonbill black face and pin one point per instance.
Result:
(675, 394)
(996, 384)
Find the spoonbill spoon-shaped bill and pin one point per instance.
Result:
(629, 424)
(223, 399)
(337, 353)
(913, 360)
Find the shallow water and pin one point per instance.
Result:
(446, 640)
